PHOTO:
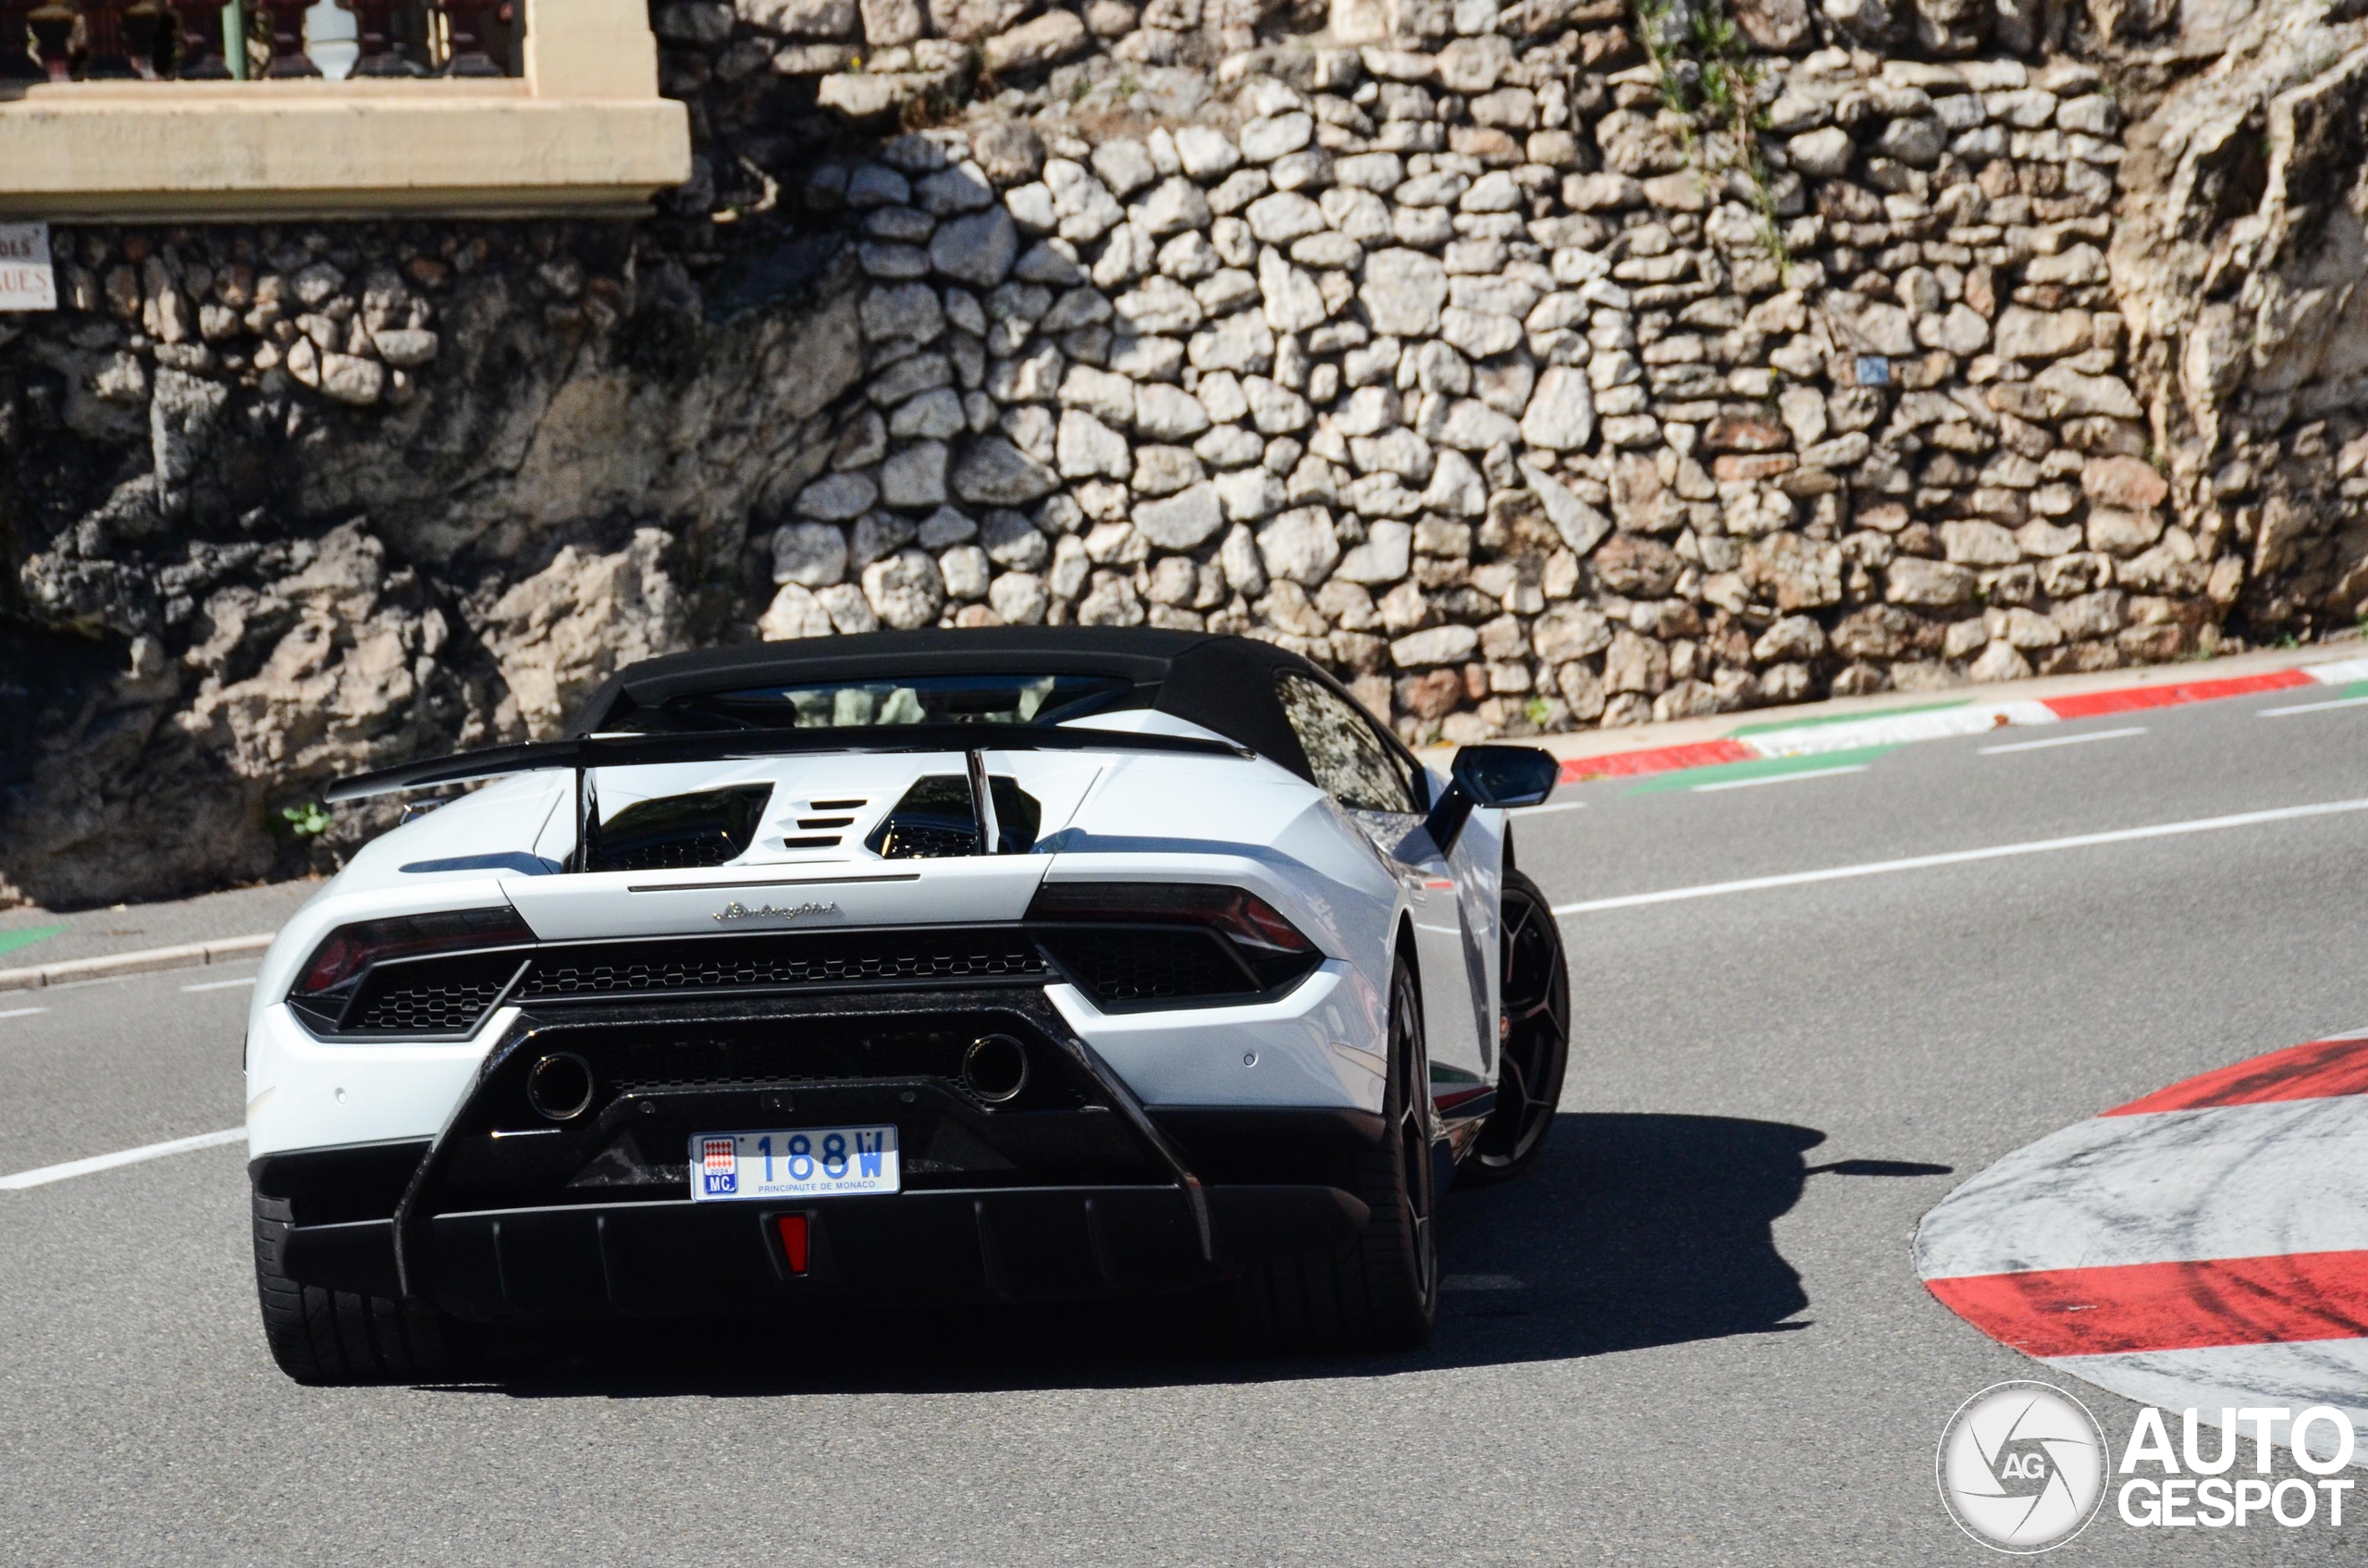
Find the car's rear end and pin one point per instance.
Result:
(866, 1022)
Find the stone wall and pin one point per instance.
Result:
(1535, 433)
(1431, 342)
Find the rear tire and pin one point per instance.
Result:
(337, 1336)
(1381, 1291)
(1534, 1036)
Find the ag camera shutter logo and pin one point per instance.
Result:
(2022, 1467)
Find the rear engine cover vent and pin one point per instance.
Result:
(936, 819)
(682, 832)
(820, 816)
(933, 821)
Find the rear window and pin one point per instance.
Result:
(910, 699)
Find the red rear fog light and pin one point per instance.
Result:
(793, 1241)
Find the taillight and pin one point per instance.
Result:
(1273, 951)
(1242, 916)
(348, 950)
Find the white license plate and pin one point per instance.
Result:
(800, 1162)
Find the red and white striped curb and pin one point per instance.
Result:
(2205, 1246)
(1936, 722)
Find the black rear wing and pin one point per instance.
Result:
(731, 746)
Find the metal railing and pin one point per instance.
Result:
(271, 40)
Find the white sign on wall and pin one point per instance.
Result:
(27, 281)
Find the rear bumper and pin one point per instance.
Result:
(1071, 1192)
(694, 1259)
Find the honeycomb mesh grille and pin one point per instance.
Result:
(431, 997)
(733, 964)
(673, 855)
(1140, 966)
(913, 838)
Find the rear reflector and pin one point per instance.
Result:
(793, 1241)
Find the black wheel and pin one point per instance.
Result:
(1379, 1292)
(319, 1336)
(1533, 1036)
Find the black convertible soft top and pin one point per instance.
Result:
(1223, 684)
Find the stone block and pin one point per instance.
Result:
(1037, 46)
(905, 590)
(1560, 415)
(1300, 546)
(1183, 522)
(2112, 531)
(1440, 645)
(993, 472)
(1403, 292)
(1933, 585)
(1972, 543)
(1385, 557)
(2023, 333)
(2129, 483)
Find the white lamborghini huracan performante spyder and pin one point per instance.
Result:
(1003, 965)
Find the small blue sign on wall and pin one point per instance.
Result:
(1874, 370)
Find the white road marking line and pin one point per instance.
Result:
(1781, 778)
(2062, 740)
(22, 1012)
(1480, 1282)
(1556, 805)
(2312, 707)
(50, 1173)
(1963, 856)
(221, 985)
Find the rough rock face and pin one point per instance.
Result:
(1422, 337)
(561, 631)
(231, 584)
(2240, 266)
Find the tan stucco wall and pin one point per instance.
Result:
(583, 131)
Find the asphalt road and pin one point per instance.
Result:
(1695, 1335)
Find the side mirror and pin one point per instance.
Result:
(1506, 775)
(1489, 775)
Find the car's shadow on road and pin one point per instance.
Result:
(1632, 1231)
